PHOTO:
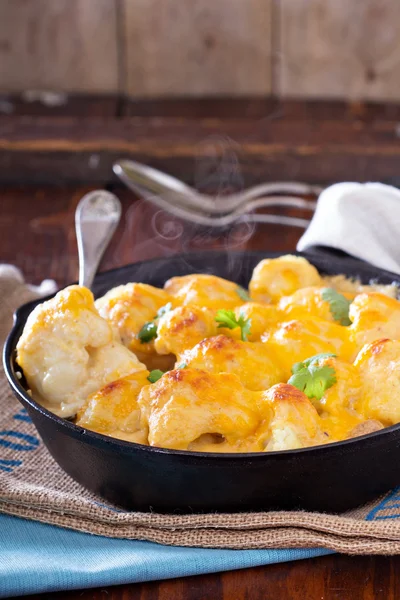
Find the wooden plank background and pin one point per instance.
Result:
(201, 48)
(62, 45)
(339, 49)
(198, 47)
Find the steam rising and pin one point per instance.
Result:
(217, 167)
(217, 172)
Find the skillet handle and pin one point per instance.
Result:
(328, 254)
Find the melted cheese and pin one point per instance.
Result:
(183, 328)
(306, 303)
(379, 366)
(337, 407)
(277, 277)
(204, 290)
(67, 351)
(128, 307)
(188, 403)
(297, 340)
(253, 363)
(263, 318)
(113, 410)
(294, 422)
(374, 316)
(227, 395)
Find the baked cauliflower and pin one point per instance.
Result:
(202, 365)
(374, 316)
(276, 277)
(379, 366)
(113, 410)
(294, 421)
(128, 308)
(186, 404)
(68, 351)
(204, 290)
(253, 363)
(183, 328)
(294, 341)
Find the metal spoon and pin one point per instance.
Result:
(96, 218)
(167, 191)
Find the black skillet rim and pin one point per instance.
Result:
(101, 440)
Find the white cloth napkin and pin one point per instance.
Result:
(360, 219)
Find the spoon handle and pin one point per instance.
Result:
(96, 218)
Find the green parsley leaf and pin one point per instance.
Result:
(148, 332)
(311, 378)
(243, 294)
(155, 375)
(227, 318)
(164, 309)
(316, 358)
(181, 366)
(338, 304)
(245, 326)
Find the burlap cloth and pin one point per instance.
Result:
(33, 486)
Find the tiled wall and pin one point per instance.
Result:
(174, 48)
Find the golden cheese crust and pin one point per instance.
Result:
(128, 307)
(181, 407)
(263, 318)
(277, 277)
(374, 316)
(228, 359)
(337, 407)
(379, 366)
(183, 328)
(253, 363)
(308, 302)
(294, 423)
(297, 340)
(68, 351)
(113, 410)
(204, 290)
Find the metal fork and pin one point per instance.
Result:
(185, 202)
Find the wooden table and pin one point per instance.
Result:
(43, 245)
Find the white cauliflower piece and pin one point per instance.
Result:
(67, 351)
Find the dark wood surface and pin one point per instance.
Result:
(327, 578)
(43, 245)
(266, 140)
(260, 139)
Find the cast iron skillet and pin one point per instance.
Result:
(330, 478)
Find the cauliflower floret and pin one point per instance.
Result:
(337, 407)
(252, 362)
(263, 318)
(294, 423)
(379, 367)
(128, 307)
(276, 277)
(204, 290)
(113, 410)
(374, 316)
(67, 351)
(345, 285)
(183, 328)
(308, 302)
(186, 404)
(297, 340)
